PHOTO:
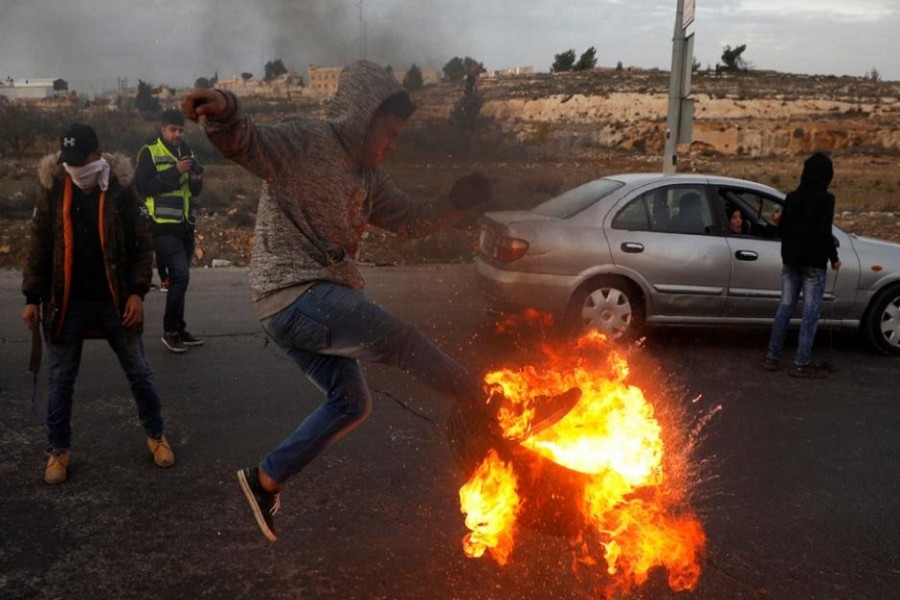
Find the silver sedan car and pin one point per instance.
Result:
(626, 251)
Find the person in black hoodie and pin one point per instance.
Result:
(807, 245)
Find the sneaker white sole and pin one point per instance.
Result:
(172, 348)
(257, 514)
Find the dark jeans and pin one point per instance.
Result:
(173, 253)
(65, 359)
(326, 331)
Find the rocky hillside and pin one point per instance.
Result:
(754, 114)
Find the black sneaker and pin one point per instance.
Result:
(173, 342)
(264, 504)
(188, 340)
(770, 364)
(548, 411)
(809, 371)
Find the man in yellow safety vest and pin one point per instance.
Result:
(168, 176)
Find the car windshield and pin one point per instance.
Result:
(576, 200)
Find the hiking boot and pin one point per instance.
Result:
(809, 371)
(164, 285)
(57, 468)
(188, 340)
(263, 503)
(770, 364)
(172, 340)
(161, 451)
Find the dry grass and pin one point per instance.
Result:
(866, 188)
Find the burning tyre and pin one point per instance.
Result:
(597, 475)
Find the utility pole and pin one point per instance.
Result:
(362, 31)
(680, 120)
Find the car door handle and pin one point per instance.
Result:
(632, 248)
(746, 255)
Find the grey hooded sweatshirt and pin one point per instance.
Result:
(317, 199)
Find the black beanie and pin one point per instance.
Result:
(173, 116)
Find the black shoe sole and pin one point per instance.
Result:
(254, 507)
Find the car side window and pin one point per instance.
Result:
(682, 209)
(760, 213)
(633, 217)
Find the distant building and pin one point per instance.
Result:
(33, 89)
(323, 81)
(509, 72)
(285, 86)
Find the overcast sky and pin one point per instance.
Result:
(92, 43)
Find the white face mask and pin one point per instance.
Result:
(89, 176)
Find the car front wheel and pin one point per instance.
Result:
(882, 324)
(611, 306)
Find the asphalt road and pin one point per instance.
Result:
(796, 482)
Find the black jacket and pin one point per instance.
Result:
(805, 225)
(127, 250)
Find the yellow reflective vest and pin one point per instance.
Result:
(173, 206)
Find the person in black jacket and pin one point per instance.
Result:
(87, 270)
(169, 178)
(807, 245)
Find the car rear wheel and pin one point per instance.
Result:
(882, 324)
(611, 306)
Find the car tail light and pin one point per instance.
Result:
(507, 249)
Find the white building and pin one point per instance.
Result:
(33, 89)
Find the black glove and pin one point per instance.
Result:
(470, 190)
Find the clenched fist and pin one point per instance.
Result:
(470, 190)
(204, 103)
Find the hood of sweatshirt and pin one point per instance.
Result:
(362, 88)
(817, 171)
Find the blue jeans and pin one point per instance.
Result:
(173, 253)
(812, 282)
(87, 317)
(326, 331)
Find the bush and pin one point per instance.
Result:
(18, 206)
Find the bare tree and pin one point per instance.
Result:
(21, 126)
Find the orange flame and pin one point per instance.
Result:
(612, 437)
(490, 503)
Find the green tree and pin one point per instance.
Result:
(145, 101)
(457, 68)
(246, 76)
(873, 74)
(732, 61)
(202, 83)
(466, 113)
(564, 61)
(587, 61)
(274, 68)
(413, 79)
